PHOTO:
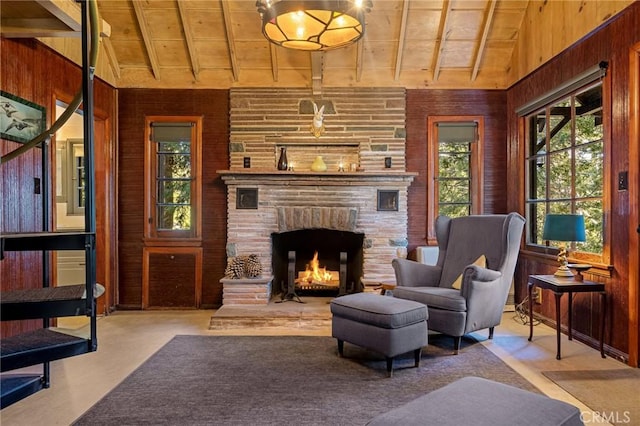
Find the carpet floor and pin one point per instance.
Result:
(283, 380)
(612, 393)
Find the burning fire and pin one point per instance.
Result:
(316, 274)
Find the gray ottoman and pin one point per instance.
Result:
(481, 402)
(383, 324)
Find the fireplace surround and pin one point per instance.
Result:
(340, 202)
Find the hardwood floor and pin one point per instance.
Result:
(128, 338)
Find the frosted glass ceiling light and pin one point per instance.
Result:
(313, 25)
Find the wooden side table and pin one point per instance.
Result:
(559, 286)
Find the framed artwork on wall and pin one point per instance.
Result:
(20, 120)
(387, 200)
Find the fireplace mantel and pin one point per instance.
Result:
(273, 177)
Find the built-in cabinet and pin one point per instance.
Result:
(172, 277)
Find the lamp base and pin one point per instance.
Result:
(563, 271)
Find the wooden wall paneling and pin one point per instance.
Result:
(421, 104)
(610, 43)
(134, 105)
(545, 31)
(130, 198)
(634, 208)
(36, 73)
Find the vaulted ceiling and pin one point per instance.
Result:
(219, 44)
(408, 41)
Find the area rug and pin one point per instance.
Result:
(611, 393)
(282, 380)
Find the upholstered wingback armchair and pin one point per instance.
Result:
(462, 242)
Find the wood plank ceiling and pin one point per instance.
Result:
(413, 43)
(219, 44)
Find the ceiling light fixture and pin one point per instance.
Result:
(313, 25)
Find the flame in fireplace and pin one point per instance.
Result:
(316, 274)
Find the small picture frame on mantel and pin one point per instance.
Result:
(246, 198)
(388, 200)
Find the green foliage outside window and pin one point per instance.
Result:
(173, 182)
(454, 181)
(565, 165)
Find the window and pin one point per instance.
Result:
(77, 178)
(455, 168)
(70, 177)
(565, 166)
(173, 187)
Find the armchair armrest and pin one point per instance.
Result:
(477, 279)
(415, 274)
(483, 290)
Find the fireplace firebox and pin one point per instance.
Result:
(340, 252)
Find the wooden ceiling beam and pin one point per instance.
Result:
(65, 11)
(488, 19)
(191, 48)
(43, 18)
(146, 37)
(111, 56)
(31, 28)
(444, 34)
(401, 37)
(231, 45)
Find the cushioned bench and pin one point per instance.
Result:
(479, 402)
(383, 324)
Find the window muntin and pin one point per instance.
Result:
(565, 165)
(174, 176)
(455, 171)
(454, 178)
(173, 185)
(79, 192)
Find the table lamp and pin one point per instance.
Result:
(563, 227)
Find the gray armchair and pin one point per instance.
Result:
(479, 303)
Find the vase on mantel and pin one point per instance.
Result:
(283, 164)
(318, 165)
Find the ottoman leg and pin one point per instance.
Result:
(340, 347)
(390, 366)
(417, 354)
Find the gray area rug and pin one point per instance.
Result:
(613, 393)
(283, 380)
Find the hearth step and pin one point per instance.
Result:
(40, 346)
(18, 386)
(48, 302)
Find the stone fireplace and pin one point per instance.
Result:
(363, 127)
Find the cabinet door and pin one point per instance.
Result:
(172, 277)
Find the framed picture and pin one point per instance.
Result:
(246, 198)
(20, 120)
(387, 200)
